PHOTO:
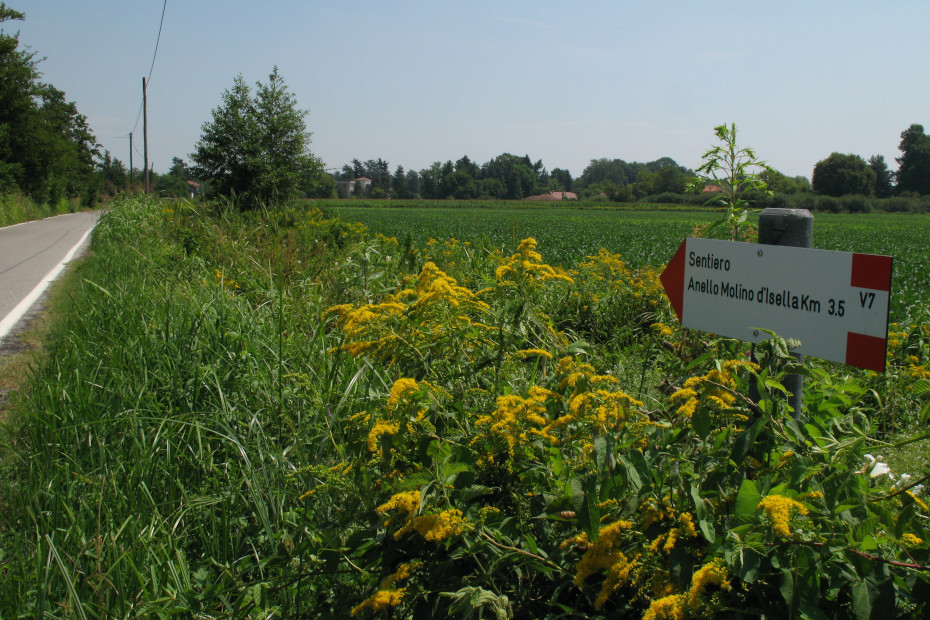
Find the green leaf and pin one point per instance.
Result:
(531, 544)
(862, 599)
(787, 586)
(924, 412)
(600, 454)
(701, 422)
(449, 471)
(747, 500)
(749, 565)
(634, 475)
(868, 543)
(577, 494)
(590, 515)
(920, 387)
(705, 515)
(745, 440)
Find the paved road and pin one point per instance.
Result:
(30, 252)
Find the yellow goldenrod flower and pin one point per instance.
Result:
(780, 510)
(406, 504)
(918, 501)
(400, 390)
(911, 540)
(603, 553)
(435, 527)
(387, 595)
(527, 353)
(671, 607)
(713, 573)
(380, 428)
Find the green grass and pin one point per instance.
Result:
(15, 209)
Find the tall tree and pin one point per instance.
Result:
(413, 183)
(840, 175)
(46, 147)
(467, 166)
(563, 178)
(257, 147)
(883, 176)
(914, 164)
(399, 183)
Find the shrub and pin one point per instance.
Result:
(857, 204)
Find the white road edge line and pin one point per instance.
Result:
(11, 319)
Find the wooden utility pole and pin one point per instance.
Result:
(130, 163)
(145, 136)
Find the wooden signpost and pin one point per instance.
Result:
(835, 303)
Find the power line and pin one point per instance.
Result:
(158, 39)
(154, 54)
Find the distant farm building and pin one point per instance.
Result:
(554, 196)
(356, 187)
(712, 188)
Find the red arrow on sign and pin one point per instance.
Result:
(673, 279)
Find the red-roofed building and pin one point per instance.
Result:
(558, 196)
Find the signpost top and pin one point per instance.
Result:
(835, 303)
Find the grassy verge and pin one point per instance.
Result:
(15, 209)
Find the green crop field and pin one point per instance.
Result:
(650, 237)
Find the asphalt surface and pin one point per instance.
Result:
(30, 251)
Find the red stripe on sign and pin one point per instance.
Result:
(871, 271)
(865, 351)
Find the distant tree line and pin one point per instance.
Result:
(846, 174)
(507, 176)
(514, 177)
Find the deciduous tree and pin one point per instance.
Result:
(841, 175)
(46, 147)
(256, 148)
(883, 176)
(914, 164)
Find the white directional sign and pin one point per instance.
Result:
(835, 303)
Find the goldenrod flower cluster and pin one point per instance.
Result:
(666, 541)
(671, 607)
(530, 353)
(404, 504)
(680, 606)
(605, 554)
(714, 573)
(387, 595)
(586, 407)
(516, 419)
(642, 567)
(526, 269)
(591, 406)
(435, 527)
(380, 428)
(401, 389)
(663, 330)
(780, 510)
(713, 390)
(431, 317)
(605, 266)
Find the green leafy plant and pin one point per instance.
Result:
(737, 172)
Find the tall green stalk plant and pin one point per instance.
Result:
(737, 172)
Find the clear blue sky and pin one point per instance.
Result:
(565, 82)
